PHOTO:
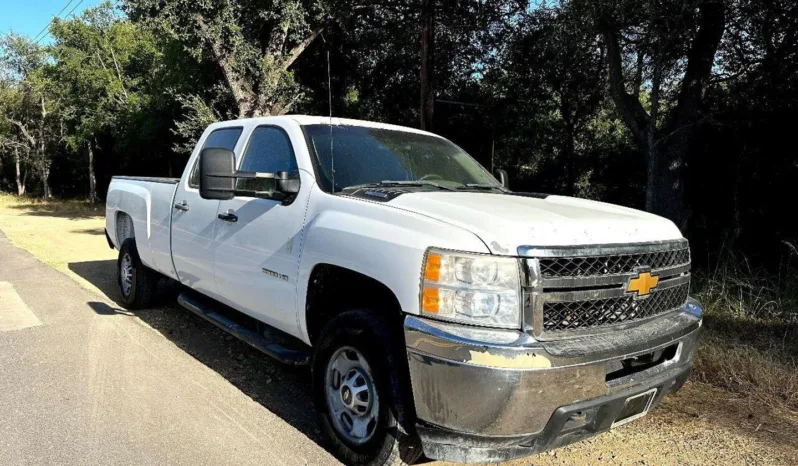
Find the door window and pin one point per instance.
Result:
(223, 138)
(268, 151)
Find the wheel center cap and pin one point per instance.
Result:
(346, 395)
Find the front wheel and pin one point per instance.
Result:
(137, 283)
(357, 412)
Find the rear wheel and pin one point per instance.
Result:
(137, 283)
(351, 380)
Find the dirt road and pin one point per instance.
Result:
(93, 384)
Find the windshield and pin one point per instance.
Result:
(372, 155)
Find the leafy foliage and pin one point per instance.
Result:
(682, 107)
(253, 42)
(29, 107)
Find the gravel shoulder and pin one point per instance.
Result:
(701, 425)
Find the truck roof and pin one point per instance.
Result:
(305, 120)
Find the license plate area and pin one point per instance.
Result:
(635, 407)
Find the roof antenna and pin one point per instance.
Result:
(329, 98)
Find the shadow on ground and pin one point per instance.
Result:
(90, 231)
(282, 390)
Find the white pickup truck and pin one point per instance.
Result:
(442, 314)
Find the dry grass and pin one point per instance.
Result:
(55, 206)
(735, 288)
(766, 376)
(58, 233)
(750, 344)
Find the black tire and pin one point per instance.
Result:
(143, 281)
(390, 444)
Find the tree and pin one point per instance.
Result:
(10, 143)
(686, 107)
(93, 56)
(672, 47)
(253, 43)
(33, 112)
(566, 93)
(374, 55)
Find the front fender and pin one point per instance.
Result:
(376, 240)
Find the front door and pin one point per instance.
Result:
(194, 220)
(257, 247)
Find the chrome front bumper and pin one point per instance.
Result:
(490, 395)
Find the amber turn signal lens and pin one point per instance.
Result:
(431, 300)
(432, 269)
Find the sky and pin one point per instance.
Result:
(29, 17)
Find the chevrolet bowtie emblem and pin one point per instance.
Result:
(642, 284)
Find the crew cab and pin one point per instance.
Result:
(441, 313)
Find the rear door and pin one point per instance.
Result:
(256, 255)
(194, 219)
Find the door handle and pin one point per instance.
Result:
(228, 217)
(182, 205)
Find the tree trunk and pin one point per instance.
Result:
(92, 178)
(42, 149)
(45, 172)
(667, 150)
(665, 188)
(569, 151)
(19, 178)
(427, 64)
(665, 154)
(570, 159)
(654, 158)
(653, 170)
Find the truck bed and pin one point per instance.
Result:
(141, 207)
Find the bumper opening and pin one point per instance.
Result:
(639, 363)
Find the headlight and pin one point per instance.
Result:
(472, 289)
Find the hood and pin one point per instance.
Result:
(505, 222)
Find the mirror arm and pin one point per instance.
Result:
(254, 175)
(261, 194)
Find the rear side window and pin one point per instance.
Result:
(223, 138)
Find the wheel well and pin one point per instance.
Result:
(333, 290)
(124, 228)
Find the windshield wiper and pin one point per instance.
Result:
(482, 186)
(402, 183)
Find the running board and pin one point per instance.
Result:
(202, 307)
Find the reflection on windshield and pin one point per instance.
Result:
(365, 155)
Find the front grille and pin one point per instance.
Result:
(596, 266)
(558, 316)
(584, 288)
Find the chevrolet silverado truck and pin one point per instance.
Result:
(442, 314)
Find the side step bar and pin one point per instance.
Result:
(201, 307)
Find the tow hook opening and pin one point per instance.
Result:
(639, 363)
(580, 419)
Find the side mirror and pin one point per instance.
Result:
(285, 184)
(217, 174)
(501, 175)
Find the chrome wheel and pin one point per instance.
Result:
(126, 274)
(352, 396)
